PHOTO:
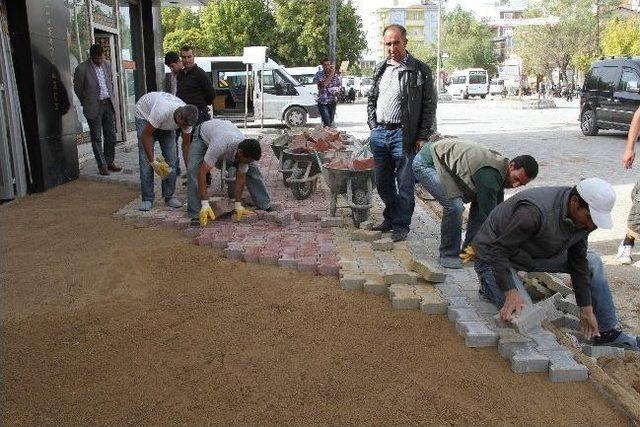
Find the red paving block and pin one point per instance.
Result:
(308, 265)
(329, 269)
(251, 255)
(219, 242)
(269, 257)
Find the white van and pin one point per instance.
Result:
(496, 86)
(284, 97)
(366, 83)
(469, 82)
(305, 76)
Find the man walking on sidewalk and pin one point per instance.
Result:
(455, 172)
(329, 84)
(633, 221)
(546, 229)
(401, 115)
(158, 116)
(93, 84)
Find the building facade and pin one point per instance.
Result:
(421, 22)
(43, 41)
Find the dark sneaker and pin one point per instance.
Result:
(195, 222)
(622, 340)
(383, 226)
(399, 236)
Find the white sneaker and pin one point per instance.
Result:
(624, 254)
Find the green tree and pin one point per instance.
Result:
(169, 19)
(302, 30)
(230, 25)
(426, 53)
(467, 41)
(570, 41)
(193, 37)
(621, 36)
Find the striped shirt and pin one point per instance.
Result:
(102, 81)
(388, 104)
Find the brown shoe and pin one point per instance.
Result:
(103, 170)
(113, 168)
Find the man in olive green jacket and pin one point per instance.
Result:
(457, 171)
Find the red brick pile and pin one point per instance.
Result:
(351, 164)
(321, 139)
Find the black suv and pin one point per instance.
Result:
(610, 94)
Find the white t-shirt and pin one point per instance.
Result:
(222, 138)
(157, 108)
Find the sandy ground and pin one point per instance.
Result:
(103, 323)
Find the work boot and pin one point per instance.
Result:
(114, 168)
(399, 236)
(624, 254)
(145, 205)
(103, 170)
(173, 203)
(450, 262)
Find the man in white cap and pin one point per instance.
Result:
(546, 230)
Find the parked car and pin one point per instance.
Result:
(365, 85)
(610, 95)
(496, 87)
(469, 82)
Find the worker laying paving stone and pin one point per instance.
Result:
(546, 230)
(219, 143)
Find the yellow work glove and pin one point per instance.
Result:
(161, 167)
(242, 211)
(206, 213)
(468, 254)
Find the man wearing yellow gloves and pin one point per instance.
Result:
(158, 116)
(216, 143)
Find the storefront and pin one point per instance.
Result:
(46, 40)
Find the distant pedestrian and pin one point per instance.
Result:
(329, 85)
(633, 221)
(401, 115)
(93, 84)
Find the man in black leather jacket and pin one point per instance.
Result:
(401, 114)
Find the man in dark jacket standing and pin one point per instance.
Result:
(93, 84)
(401, 116)
(546, 230)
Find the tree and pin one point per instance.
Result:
(302, 30)
(169, 19)
(621, 36)
(570, 41)
(230, 25)
(193, 37)
(426, 53)
(467, 41)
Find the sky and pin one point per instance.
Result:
(481, 8)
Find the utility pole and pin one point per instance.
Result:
(333, 30)
(438, 59)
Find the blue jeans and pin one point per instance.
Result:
(394, 177)
(451, 225)
(327, 113)
(255, 183)
(601, 299)
(167, 141)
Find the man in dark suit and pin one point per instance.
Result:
(93, 84)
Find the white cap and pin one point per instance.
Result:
(601, 197)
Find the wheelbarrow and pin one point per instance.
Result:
(356, 186)
(301, 172)
(277, 146)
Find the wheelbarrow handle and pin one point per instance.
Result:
(317, 157)
(361, 150)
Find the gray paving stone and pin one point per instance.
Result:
(457, 313)
(599, 351)
(448, 290)
(365, 235)
(553, 282)
(530, 318)
(404, 277)
(568, 371)
(385, 244)
(483, 307)
(331, 221)
(568, 321)
(478, 334)
(433, 303)
(428, 270)
(375, 287)
(458, 301)
(529, 360)
(510, 344)
(405, 300)
(352, 282)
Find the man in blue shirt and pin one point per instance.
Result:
(328, 86)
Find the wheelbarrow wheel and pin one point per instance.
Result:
(287, 164)
(360, 215)
(300, 190)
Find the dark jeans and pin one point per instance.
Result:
(327, 113)
(103, 124)
(394, 177)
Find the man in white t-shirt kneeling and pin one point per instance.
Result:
(215, 141)
(158, 116)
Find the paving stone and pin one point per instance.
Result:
(448, 290)
(331, 221)
(599, 351)
(483, 307)
(536, 290)
(428, 270)
(375, 287)
(307, 265)
(432, 303)
(284, 219)
(457, 301)
(405, 301)
(407, 278)
(553, 282)
(529, 360)
(529, 318)
(455, 313)
(365, 235)
(567, 370)
(307, 217)
(354, 283)
(233, 253)
(288, 263)
(478, 334)
(508, 344)
(385, 244)
(568, 305)
(568, 321)
(328, 269)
